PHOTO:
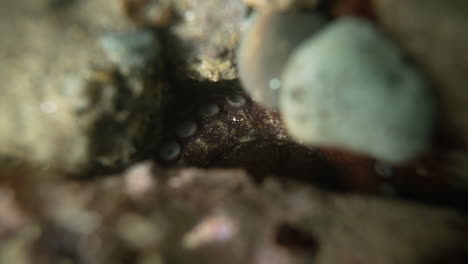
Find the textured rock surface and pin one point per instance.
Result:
(350, 87)
(67, 98)
(266, 44)
(203, 41)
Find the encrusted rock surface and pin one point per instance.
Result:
(203, 42)
(67, 99)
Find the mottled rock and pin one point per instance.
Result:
(79, 83)
(350, 87)
(265, 47)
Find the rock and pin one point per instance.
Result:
(265, 47)
(433, 33)
(152, 215)
(361, 8)
(350, 87)
(150, 13)
(131, 50)
(434, 36)
(204, 40)
(281, 5)
(79, 88)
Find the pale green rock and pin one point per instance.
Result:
(350, 87)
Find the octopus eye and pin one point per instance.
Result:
(186, 129)
(236, 100)
(209, 110)
(170, 151)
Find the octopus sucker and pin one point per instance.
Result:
(229, 129)
(371, 146)
(186, 129)
(236, 100)
(209, 110)
(169, 151)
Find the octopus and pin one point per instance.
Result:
(228, 129)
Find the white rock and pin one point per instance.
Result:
(350, 87)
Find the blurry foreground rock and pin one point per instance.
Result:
(149, 215)
(433, 33)
(79, 83)
(266, 46)
(349, 87)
